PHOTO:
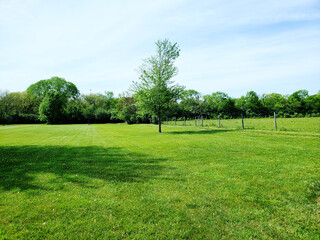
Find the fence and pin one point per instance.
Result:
(311, 124)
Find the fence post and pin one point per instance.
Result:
(242, 121)
(219, 121)
(195, 121)
(185, 124)
(275, 121)
(201, 121)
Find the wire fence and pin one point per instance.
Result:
(311, 124)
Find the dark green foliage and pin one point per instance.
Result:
(101, 115)
(252, 105)
(27, 118)
(191, 104)
(312, 104)
(274, 102)
(297, 101)
(220, 104)
(88, 112)
(127, 110)
(73, 111)
(52, 108)
(18, 107)
(55, 94)
(5, 118)
(100, 108)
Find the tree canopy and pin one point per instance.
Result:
(156, 91)
(55, 84)
(20, 107)
(55, 94)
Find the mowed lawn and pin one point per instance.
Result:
(117, 181)
(311, 124)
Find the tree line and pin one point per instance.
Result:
(24, 107)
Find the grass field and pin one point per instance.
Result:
(283, 124)
(117, 181)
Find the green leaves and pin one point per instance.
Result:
(55, 93)
(55, 84)
(156, 90)
(51, 108)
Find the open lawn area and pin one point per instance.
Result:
(311, 124)
(117, 181)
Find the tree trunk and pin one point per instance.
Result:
(159, 122)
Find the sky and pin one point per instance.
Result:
(232, 46)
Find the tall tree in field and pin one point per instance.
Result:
(55, 94)
(156, 90)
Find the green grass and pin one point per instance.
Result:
(116, 181)
(283, 124)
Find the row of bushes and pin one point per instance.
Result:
(19, 118)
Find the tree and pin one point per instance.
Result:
(88, 112)
(191, 103)
(297, 101)
(103, 106)
(52, 108)
(313, 104)
(55, 94)
(219, 103)
(21, 103)
(156, 90)
(73, 111)
(127, 110)
(274, 102)
(250, 104)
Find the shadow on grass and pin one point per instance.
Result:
(202, 131)
(20, 164)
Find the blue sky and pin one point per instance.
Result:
(232, 46)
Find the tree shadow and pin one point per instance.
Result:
(211, 131)
(78, 165)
